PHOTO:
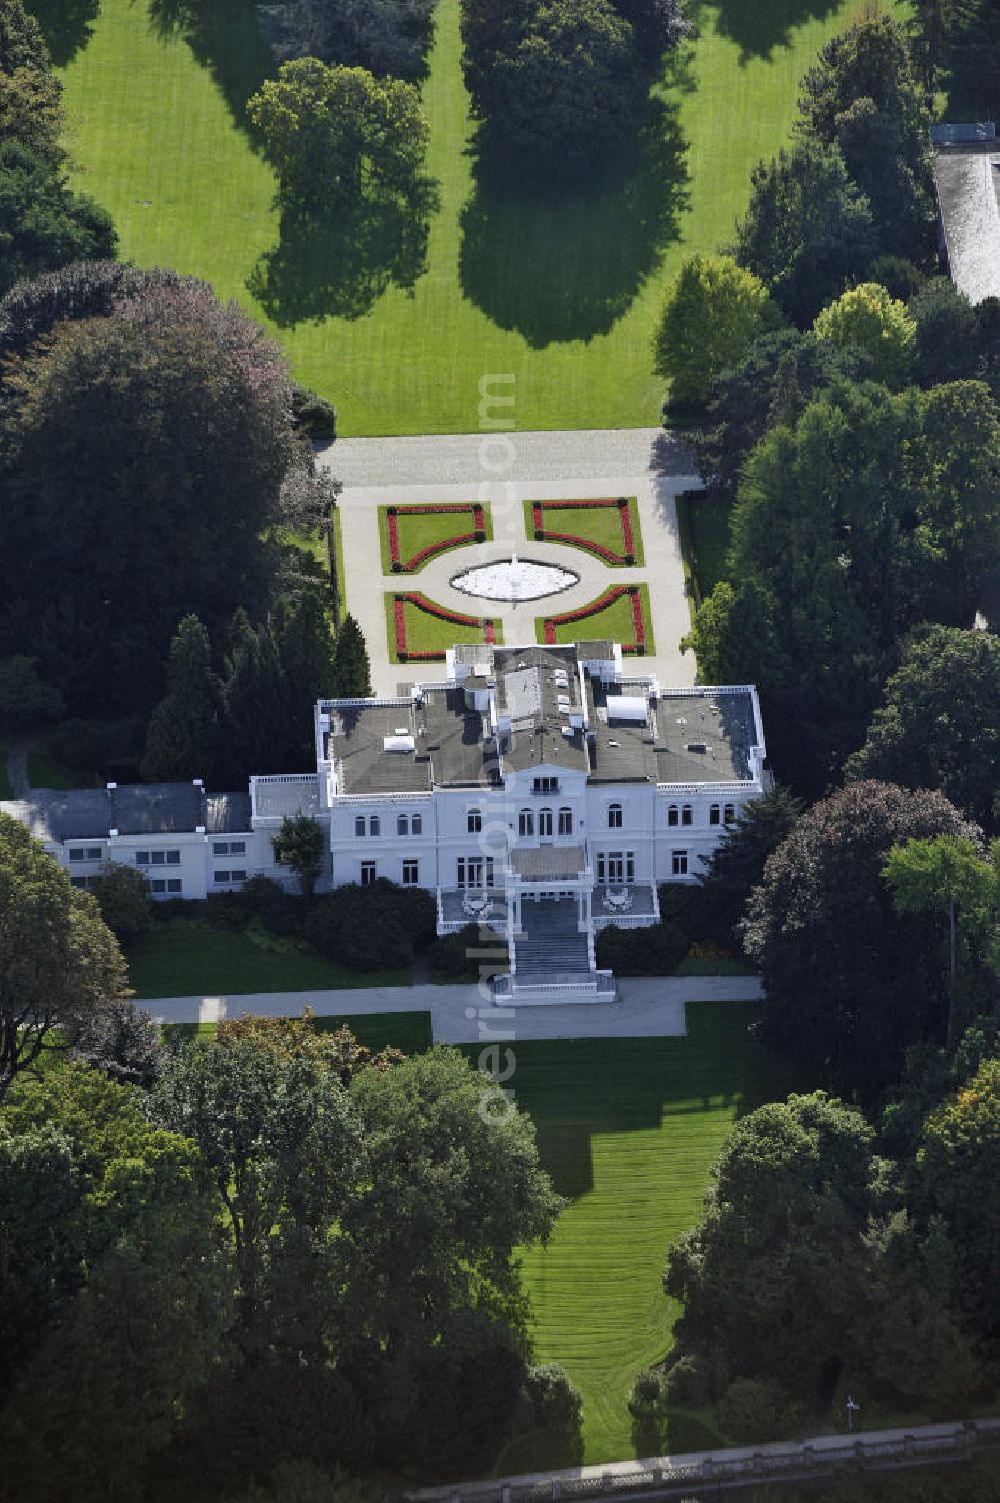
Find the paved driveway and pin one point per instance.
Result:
(650, 1007)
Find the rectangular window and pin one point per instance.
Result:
(402, 824)
(475, 821)
(238, 876)
(221, 876)
(672, 816)
(416, 824)
(142, 858)
(77, 854)
(616, 868)
(545, 785)
(565, 821)
(687, 815)
(602, 867)
(158, 858)
(679, 863)
(729, 814)
(158, 885)
(545, 823)
(714, 814)
(220, 848)
(174, 884)
(525, 822)
(374, 826)
(473, 871)
(614, 816)
(173, 858)
(93, 853)
(237, 848)
(369, 871)
(411, 873)
(359, 827)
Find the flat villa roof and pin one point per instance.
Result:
(968, 188)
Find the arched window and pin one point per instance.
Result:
(673, 815)
(374, 825)
(714, 814)
(687, 815)
(614, 816)
(475, 821)
(526, 822)
(545, 822)
(417, 824)
(359, 826)
(402, 824)
(565, 821)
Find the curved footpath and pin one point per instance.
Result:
(649, 1007)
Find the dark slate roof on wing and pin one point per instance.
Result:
(355, 744)
(705, 736)
(227, 813)
(157, 808)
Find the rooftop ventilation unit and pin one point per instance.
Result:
(630, 707)
(697, 746)
(401, 741)
(568, 732)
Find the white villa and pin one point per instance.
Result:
(542, 792)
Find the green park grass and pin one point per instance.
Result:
(426, 633)
(597, 524)
(628, 1129)
(709, 523)
(178, 958)
(417, 532)
(614, 621)
(561, 289)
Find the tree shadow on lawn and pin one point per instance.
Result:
(67, 25)
(338, 266)
(580, 1089)
(759, 26)
(226, 37)
(557, 264)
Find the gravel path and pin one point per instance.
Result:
(468, 458)
(650, 1007)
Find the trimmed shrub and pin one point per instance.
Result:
(313, 416)
(370, 927)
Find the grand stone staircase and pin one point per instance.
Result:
(552, 959)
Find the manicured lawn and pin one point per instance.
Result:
(428, 633)
(628, 1128)
(561, 289)
(408, 1031)
(709, 534)
(418, 532)
(183, 959)
(614, 621)
(598, 524)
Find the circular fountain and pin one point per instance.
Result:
(514, 579)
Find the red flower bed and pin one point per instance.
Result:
(610, 556)
(460, 539)
(442, 613)
(602, 602)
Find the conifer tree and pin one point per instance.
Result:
(182, 740)
(306, 646)
(352, 670)
(257, 705)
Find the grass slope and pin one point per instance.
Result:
(628, 1128)
(561, 289)
(183, 959)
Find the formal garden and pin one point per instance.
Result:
(563, 288)
(410, 536)
(609, 528)
(619, 614)
(420, 630)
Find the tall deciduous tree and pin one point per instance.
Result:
(183, 736)
(334, 133)
(939, 723)
(42, 223)
(300, 845)
(142, 479)
(866, 318)
(714, 311)
(808, 230)
(59, 962)
(387, 36)
(850, 982)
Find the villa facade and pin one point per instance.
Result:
(540, 792)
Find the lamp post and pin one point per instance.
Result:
(851, 1408)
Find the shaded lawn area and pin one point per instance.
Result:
(408, 1031)
(628, 1129)
(417, 532)
(709, 532)
(562, 288)
(599, 524)
(179, 958)
(427, 633)
(614, 621)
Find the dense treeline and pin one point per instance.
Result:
(43, 224)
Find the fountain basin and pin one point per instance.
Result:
(514, 579)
